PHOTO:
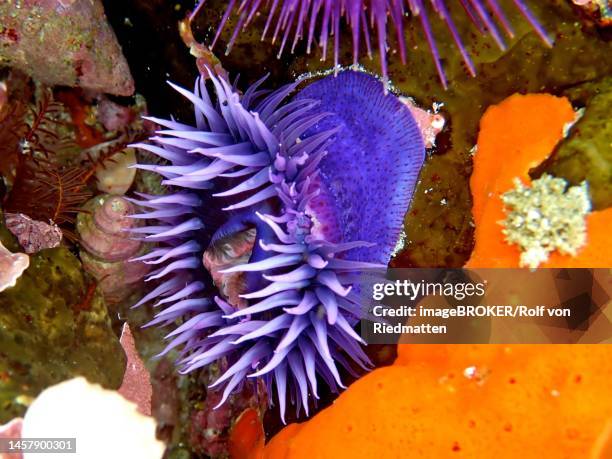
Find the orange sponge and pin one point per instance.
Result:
(529, 401)
(516, 136)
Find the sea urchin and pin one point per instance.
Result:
(314, 20)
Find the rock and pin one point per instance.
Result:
(430, 124)
(61, 42)
(598, 11)
(136, 385)
(53, 326)
(114, 116)
(586, 153)
(210, 427)
(33, 235)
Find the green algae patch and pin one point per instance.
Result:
(586, 155)
(53, 326)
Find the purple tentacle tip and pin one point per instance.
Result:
(322, 180)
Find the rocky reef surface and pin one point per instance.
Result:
(55, 323)
(54, 326)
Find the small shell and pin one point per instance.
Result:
(12, 266)
(103, 228)
(115, 176)
(107, 248)
(118, 279)
(230, 251)
(114, 117)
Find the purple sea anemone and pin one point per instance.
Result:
(324, 179)
(294, 20)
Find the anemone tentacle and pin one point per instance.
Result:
(318, 20)
(266, 156)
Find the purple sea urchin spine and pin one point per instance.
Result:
(322, 18)
(253, 161)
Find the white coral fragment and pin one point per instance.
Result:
(12, 266)
(546, 217)
(104, 424)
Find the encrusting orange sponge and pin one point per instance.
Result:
(480, 401)
(474, 401)
(516, 136)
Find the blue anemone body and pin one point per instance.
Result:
(324, 178)
(372, 165)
